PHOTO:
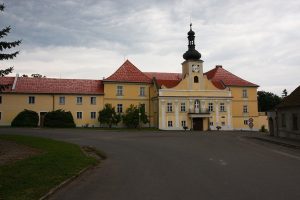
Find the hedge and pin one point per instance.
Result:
(59, 118)
(26, 118)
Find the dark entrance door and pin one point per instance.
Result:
(198, 124)
(42, 116)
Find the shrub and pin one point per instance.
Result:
(59, 118)
(26, 118)
(134, 116)
(263, 129)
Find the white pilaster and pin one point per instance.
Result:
(229, 114)
(217, 112)
(163, 114)
(176, 114)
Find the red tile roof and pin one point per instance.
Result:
(221, 78)
(6, 81)
(129, 73)
(169, 80)
(55, 86)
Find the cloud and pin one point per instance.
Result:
(257, 40)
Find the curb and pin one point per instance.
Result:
(101, 156)
(277, 142)
(53, 190)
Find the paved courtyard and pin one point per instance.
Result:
(154, 165)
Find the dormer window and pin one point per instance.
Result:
(196, 79)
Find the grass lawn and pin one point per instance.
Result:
(33, 177)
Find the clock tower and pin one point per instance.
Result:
(192, 67)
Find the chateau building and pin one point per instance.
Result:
(216, 99)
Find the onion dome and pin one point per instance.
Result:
(191, 53)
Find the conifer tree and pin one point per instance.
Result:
(6, 55)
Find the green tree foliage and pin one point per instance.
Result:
(6, 56)
(59, 118)
(132, 119)
(26, 118)
(109, 116)
(267, 101)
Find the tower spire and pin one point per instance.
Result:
(191, 53)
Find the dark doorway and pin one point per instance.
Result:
(198, 124)
(42, 117)
(271, 126)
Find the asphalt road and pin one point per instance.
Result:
(180, 165)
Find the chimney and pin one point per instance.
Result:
(219, 66)
(15, 82)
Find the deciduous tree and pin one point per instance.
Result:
(109, 116)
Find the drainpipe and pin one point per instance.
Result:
(53, 101)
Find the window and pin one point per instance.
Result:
(93, 100)
(196, 79)
(119, 108)
(0, 99)
(283, 123)
(183, 123)
(222, 107)
(142, 91)
(170, 124)
(211, 123)
(223, 123)
(0, 115)
(246, 122)
(245, 109)
(31, 99)
(62, 100)
(119, 90)
(79, 100)
(245, 94)
(79, 115)
(182, 107)
(295, 122)
(210, 107)
(93, 115)
(169, 107)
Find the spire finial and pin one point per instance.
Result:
(191, 26)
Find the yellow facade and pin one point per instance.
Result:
(13, 104)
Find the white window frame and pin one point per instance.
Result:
(0, 115)
(31, 99)
(79, 102)
(211, 123)
(93, 115)
(169, 107)
(246, 121)
(0, 99)
(245, 93)
(245, 109)
(142, 91)
(93, 100)
(62, 102)
(183, 123)
(182, 107)
(211, 107)
(222, 107)
(120, 89)
(170, 123)
(79, 115)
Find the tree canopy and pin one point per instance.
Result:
(267, 101)
(134, 116)
(6, 46)
(109, 116)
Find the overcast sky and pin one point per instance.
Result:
(258, 40)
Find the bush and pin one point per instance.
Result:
(26, 118)
(59, 118)
(263, 129)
